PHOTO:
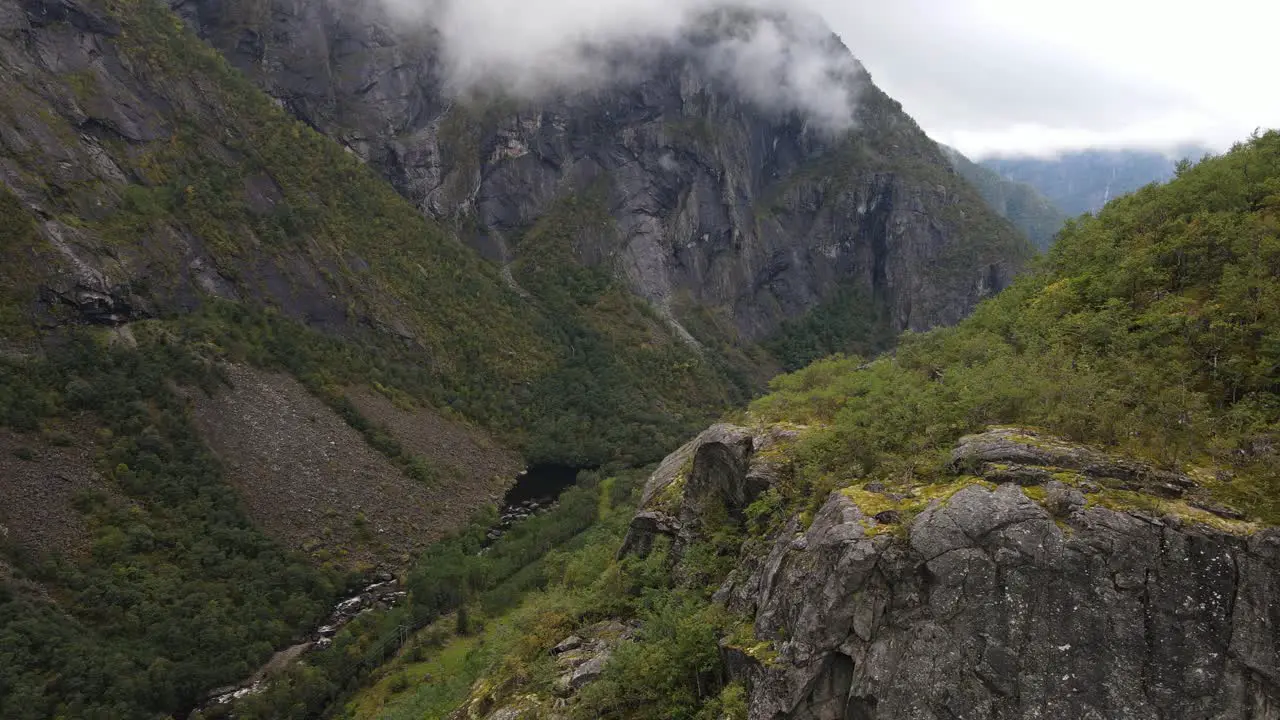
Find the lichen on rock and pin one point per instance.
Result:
(994, 598)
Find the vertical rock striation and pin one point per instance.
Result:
(714, 203)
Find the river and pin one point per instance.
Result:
(535, 491)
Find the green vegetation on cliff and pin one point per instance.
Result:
(1150, 329)
(628, 384)
(668, 664)
(178, 592)
(18, 281)
(848, 323)
(456, 591)
(1024, 206)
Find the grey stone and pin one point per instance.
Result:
(990, 609)
(1062, 501)
(721, 466)
(573, 642)
(583, 674)
(1028, 457)
(888, 517)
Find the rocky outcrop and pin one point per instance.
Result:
(711, 201)
(1027, 457)
(580, 659)
(726, 466)
(989, 604)
(583, 658)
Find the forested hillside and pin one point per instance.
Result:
(1151, 329)
(159, 218)
(166, 227)
(1024, 206)
(1146, 343)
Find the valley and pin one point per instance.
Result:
(336, 383)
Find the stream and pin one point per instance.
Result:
(535, 491)
(381, 595)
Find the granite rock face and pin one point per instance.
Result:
(726, 466)
(989, 608)
(982, 603)
(712, 202)
(83, 117)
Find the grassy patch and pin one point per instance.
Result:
(425, 690)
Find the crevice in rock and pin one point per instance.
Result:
(862, 707)
(826, 697)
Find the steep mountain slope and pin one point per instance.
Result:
(201, 297)
(1066, 506)
(712, 206)
(159, 217)
(158, 179)
(1082, 182)
(1019, 202)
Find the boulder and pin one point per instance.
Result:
(573, 642)
(725, 465)
(588, 671)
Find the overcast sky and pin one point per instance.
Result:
(992, 76)
(986, 76)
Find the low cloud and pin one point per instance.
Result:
(1014, 77)
(1176, 135)
(777, 56)
(790, 61)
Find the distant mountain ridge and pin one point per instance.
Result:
(1023, 205)
(1086, 180)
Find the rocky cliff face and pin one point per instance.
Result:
(140, 176)
(1039, 597)
(711, 201)
(990, 608)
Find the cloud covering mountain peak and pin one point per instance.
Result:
(776, 55)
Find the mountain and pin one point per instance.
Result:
(1083, 181)
(275, 323)
(1019, 202)
(1066, 505)
(726, 218)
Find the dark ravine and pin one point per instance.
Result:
(536, 490)
(541, 483)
